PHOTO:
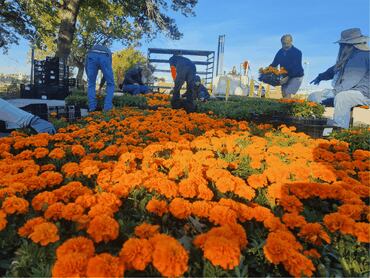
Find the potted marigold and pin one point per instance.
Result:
(272, 75)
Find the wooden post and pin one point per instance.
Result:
(227, 88)
(251, 88)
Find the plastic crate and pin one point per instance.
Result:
(37, 109)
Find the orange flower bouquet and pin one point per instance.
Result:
(272, 75)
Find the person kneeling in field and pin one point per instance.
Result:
(350, 75)
(183, 70)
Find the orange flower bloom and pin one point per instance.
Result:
(70, 265)
(72, 212)
(293, 220)
(339, 222)
(136, 253)
(103, 228)
(54, 211)
(40, 152)
(43, 200)
(157, 207)
(57, 154)
(28, 227)
(146, 230)
(257, 180)
(298, 265)
(312, 253)
(169, 257)
(180, 208)
(78, 150)
(16, 205)
(222, 252)
(44, 233)
(314, 233)
(362, 232)
(104, 265)
(3, 220)
(77, 245)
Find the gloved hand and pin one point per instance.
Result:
(284, 80)
(316, 81)
(42, 126)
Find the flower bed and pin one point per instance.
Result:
(165, 193)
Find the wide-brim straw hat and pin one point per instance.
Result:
(355, 37)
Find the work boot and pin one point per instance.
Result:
(190, 107)
(176, 103)
(42, 126)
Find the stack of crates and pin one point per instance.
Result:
(39, 72)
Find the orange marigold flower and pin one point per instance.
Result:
(44, 233)
(71, 169)
(157, 207)
(136, 253)
(201, 208)
(43, 200)
(169, 257)
(291, 204)
(293, 220)
(180, 208)
(28, 227)
(52, 178)
(104, 265)
(222, 215)
(222, 252)
(40, 152)
(72, 212)
(57, 154)
(339, 222)
(362, 232)
(298, 265)
(146, 230)
(103, 228)
(313, 253)
(3, 220)
(78, 150)
(48, 167)
(77, 245)
(314, 233)
(16, 205)
(353, 211)
(70, 265)
(54, 211)
(257, 180)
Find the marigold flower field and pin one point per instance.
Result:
(164, 193)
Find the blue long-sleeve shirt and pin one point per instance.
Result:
(181, 63)
(291, 60)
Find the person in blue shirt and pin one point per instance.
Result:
(183, 70)
(135, 79)
(200, 90)
(290, 58)
(99, 57)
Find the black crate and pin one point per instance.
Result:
(51, 92)
(37, 109)
(27, 91)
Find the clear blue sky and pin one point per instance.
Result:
(253, 29)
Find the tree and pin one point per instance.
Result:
(149, 16)
(123, 60)
(14, 22)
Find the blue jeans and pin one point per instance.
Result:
(135, 89)
(343, 103)
(94, 62)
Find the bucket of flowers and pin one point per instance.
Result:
(272, 75)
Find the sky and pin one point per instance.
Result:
(253, 29)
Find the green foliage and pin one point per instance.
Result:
(129, 100)
(358, 138)
(345, 257)
(307, 110)
(260, 110)
(32, 260)
(123, 60)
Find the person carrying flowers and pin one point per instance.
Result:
(290, 58)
